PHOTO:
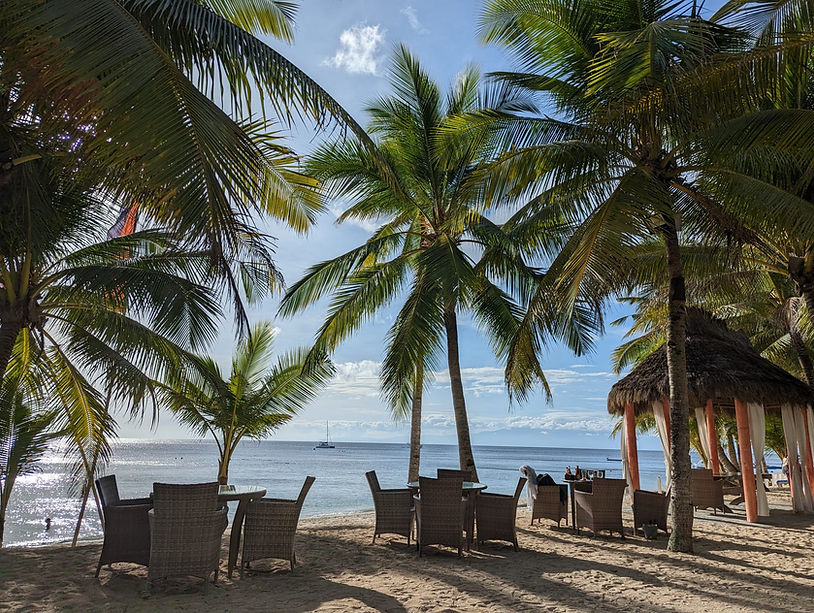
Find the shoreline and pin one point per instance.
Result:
(736, 566)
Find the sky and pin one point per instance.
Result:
(345, 45)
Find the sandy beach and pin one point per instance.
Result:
(736, 567)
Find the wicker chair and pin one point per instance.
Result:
(186, 526)
(550, 503)
(601, 507)
(650, 508)
(707, 492)
(439, 513)
(271, 524)
(496, 515)
(470, 498)
(454, 473)
(127, 525)
(394, 509)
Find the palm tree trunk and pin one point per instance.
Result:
(729, 465)
(682, 512)
(9, 330)
(466, 458)
(415, 425)
(223, 469)
(733, 452)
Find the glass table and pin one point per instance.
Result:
(244, 494)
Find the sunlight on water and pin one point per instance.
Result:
(280, 467)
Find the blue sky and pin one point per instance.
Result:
(345, 45)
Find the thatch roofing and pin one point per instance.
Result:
(721, 365)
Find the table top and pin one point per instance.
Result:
(236, 492)
(467, 485)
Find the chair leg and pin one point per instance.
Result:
(374, 539)
(98, 568)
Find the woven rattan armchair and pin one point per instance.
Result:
(650, 508)
(550, 503)
(496, 515)
(601, 507)
(470, 498)
(186, 526)
(439, 513)
(271, 525)
(127, 525)
(394, 509)
(707, 491)
(447, 473)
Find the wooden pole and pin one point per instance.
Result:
(809, 459)
(712, 435)
(747, 471)
(666, 405)
(630, 445)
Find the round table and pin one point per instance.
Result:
(468, 486)
(244, 494)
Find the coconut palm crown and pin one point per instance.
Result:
(256, 397)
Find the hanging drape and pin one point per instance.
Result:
(800, 494)
(661, 427)
(757, 432)
(703, 432)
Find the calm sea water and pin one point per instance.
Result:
(281, 467)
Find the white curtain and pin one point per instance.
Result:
(703, 432)
(798, 499)
(757, 432)
(661, 426)
(800, 431)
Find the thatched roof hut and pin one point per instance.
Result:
(721, 365)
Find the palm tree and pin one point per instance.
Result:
(129, 95)
(25, 432)
(435, 243)
(256, 398)
(635, 153)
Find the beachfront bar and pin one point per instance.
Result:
(725, 375)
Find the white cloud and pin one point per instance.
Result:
(338, 207)
(358, 379)
(359, 50)
(413, 20)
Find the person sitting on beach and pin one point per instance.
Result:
(569, 476)
(578, 473)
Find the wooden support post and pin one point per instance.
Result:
(630, 446)
(747, 470)
(809, 459)
(712, 435)
(666, 405)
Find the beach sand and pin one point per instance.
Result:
(735, 567)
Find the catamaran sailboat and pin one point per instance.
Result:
(326, 444)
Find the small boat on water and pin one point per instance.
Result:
(326, 444)
(613, 459)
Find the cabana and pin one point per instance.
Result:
(724, 374)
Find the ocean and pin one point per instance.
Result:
(281, 467)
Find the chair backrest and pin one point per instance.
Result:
(519, 489)
(609, 489)
(108, 490)
(454, 473)
(195, 500)
(702, 474)
(373, 482)
(441, 499)
(309, 481)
